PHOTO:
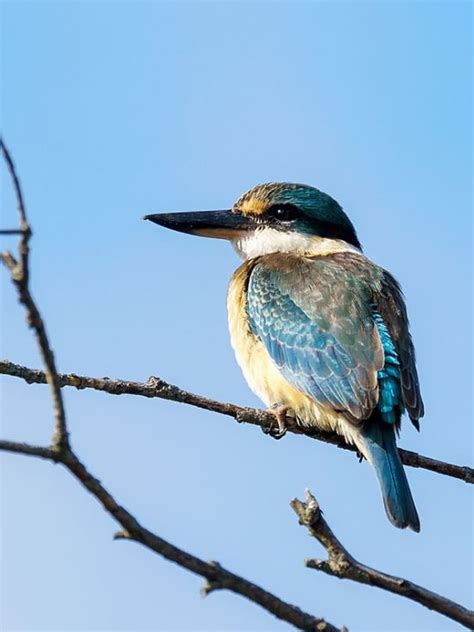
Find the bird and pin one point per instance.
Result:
(320, 332)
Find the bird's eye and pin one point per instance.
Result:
(283, 212)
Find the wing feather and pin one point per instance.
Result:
(315, 319)
(391, 306)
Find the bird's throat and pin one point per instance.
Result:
(265, 241)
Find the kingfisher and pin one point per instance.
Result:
(320, 332)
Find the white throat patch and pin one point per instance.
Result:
(265, 241)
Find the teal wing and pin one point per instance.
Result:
(391, 307)
(315, 318)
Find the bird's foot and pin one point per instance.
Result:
(280, 414)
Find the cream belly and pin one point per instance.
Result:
(262, 374)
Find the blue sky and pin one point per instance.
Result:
(117, 109)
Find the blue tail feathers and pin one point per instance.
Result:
(380, 448)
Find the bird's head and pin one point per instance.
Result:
(273, 217)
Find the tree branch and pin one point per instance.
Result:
(217, 577)
(11, 231)
(19, 271)
(60, 451)
(340, 563)
(29, 450)
(156, 387)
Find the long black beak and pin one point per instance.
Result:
(217, 224)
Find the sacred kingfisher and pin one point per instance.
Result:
(319, 331)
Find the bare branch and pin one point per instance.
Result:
(156, 387)
(340, 563)
(462, 472)
(217, 577)
(16, 187)
(12, 231)
(20, 277)
(29, 450)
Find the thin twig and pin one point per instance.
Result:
(11, 231)
(29, 450)
(217, 577)
(156, 387)
(340, 563)
(20, 277)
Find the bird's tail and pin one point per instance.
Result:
(378, 445)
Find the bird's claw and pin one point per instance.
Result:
(279, 413)
(275, 433)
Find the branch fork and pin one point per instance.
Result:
(340, 563)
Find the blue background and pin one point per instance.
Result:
(117, 109)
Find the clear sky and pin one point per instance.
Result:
(117, 109)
